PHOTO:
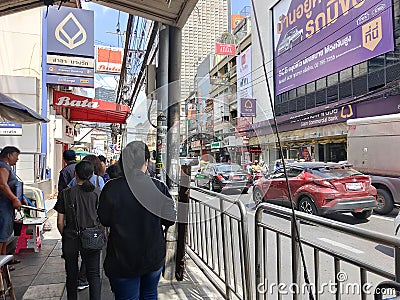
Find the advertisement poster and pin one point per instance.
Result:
(244, 78)
(313, 39)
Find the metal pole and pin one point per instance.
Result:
(183, 210)
(174, 97)
(162, 103)
(296, 263)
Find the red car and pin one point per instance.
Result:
(319, 188)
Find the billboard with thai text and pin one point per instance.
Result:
(315, 38)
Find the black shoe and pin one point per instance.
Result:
(82, 285)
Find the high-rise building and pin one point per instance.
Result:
(104, 94)
(206, 24)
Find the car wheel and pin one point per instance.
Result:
(258, 196)
(307, 205)
(362, 215)
(385, 202)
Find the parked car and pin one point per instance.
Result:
(294, 35)
(319, 188)
(223, 176)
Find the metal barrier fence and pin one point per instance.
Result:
(277, 251)
(218, 236)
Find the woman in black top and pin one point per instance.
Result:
(76, 207)
(135, 207)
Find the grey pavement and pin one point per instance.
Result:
(41, 275)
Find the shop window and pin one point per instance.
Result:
(376, 80)
(392, 72)
(376, 63)
(292, 106)
(292, 94)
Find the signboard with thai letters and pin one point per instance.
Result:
(10, 128)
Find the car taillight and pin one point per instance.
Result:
(324, 183)
(248, 176)
(220, 177)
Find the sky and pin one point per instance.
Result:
(106, 22)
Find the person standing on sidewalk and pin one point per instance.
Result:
(76, 207)
(8, 199)
(135, 207)
(67, 173)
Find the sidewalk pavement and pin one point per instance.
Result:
(42, 276)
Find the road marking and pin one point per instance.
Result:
(383, 218)
(334, 243)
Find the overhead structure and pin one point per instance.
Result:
(169, 12)
(13, 111)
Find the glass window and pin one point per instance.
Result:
(376, 63)
(228, 168)
(311, 87)
(321, 83)
(334, 172)
(360, 69)
(345, 74)
(333, 79)
(292, 94)
(301, 90)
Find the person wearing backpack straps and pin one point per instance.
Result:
(76, 207)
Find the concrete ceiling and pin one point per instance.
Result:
(170, 12)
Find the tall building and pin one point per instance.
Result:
(104, 94)
(205, 26)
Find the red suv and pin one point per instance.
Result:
(319, 188)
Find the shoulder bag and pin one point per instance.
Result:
(92, 238)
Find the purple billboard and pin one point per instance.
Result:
(315, 38)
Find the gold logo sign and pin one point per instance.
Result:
(372, 33)
(248, 104)
(347, 111)
(64, 38)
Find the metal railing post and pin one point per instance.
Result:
(258, 254)
(248, 293)
(225, 251)
(295, 256)
(397, 263)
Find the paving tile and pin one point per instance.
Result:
(26, 270)
(44, 291)
(19, 291)
(53, 268)
(24, 280)
(47, 278)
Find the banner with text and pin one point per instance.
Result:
(313, 39)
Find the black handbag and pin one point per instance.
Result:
(91, 238)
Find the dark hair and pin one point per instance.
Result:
(7, 150)
(114, 171)
(135, 154)
(102, 158)
(84, 171)
(69, 155)
(98, 169)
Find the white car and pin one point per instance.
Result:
(291, 37)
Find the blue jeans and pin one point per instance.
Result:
(143, 287)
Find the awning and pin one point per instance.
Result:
(14, 111)
(79, 108)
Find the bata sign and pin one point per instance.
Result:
(67, 102)
(109, 60)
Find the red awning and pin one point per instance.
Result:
(79, 108)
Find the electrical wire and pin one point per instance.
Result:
(306, 277)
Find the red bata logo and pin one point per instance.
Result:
(66, 101)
